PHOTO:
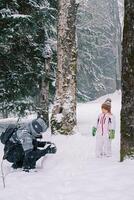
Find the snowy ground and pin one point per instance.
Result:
(74, 173)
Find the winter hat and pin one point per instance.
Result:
(107, 105)
(37, 126)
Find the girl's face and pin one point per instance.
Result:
(104, 111)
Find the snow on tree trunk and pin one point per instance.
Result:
(63, 117)
(45, 81)
(127, 113)
(4, 113)
(44, 93)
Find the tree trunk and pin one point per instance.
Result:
(127, 113)
(4, 113)
(64, 111)
(44, 93)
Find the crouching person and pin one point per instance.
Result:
(32, 151)
(22, 147)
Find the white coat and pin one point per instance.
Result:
(105, 123)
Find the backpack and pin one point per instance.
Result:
(5, 136)
(35, 128)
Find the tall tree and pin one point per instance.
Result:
(44, 86)
(64, 112)
(25, 25)
(127, 113)
(99, 41)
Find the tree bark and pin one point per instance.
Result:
(127, 113)
(4, 113)
(44, 92)
(63, 117)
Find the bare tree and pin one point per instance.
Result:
(127, 113)
(64, 112)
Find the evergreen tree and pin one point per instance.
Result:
(99, 48)
(25, 25)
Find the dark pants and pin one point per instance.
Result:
(14, 153)
(31, 158)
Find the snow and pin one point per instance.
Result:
(121, 11)
(19, 16)
(59, 117)
(74, 173)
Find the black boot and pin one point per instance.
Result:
(29, 161)
(17, 165)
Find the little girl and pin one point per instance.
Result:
(104, 130)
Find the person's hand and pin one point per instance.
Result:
(111, 134)
(48, 142)
(51, 149)
(94, 129)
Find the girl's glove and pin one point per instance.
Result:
(111, 134)
(94, 131)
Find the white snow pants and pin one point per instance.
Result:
(103, 145)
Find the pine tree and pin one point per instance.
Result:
(25, 26)
(64, 112)
(99, 41)
(127, 114)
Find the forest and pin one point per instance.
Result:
(67, 88)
